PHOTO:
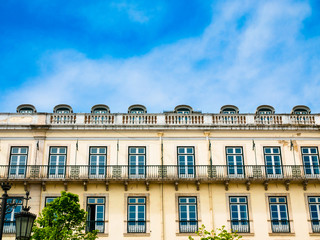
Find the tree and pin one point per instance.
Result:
(223, 234)
(62, 219)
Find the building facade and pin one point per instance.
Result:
(161, 176)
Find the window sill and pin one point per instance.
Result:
(103, 235)
(136, 234)
(245, 234)
(314, 234)
(186, 234)
(282, 234)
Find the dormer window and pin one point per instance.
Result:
(300, 110)
(183, 109)
(265, 110)
(26, 109)
(137, 109)
(100, 109)
(229, 109)
(62, 109)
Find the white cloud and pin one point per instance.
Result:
(264, 62)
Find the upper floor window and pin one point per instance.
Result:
(96, 212)
(314, 207)
(57, 162)
(265, 110)
(100, 109)
(310, 159)
(188, 215)
(136, 215)
(97, 162)
(137, 162)
(186, 164)
(137, 109)
(183, 109)
(26, 109)
(239, 214)
(229, 109)
(49, 200)
(9, 225)
(235, 162)
(273, 164)
(62, 108)
(18, 162)
(301, 110)
(279, 214)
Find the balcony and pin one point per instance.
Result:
(159, 172)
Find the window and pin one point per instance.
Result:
(183, 109)
(272, 159)
(97, 162)
(235, 162)
(300, 110)
(100, 111)
(137, 162)
(57, 162)
(26, 109)
(279, 214)
(49, 200)
(18, 162)
(239, 214)
(95, 209)
(310, 161)
(314, 207)
(136, 215)
(63, 110)
(188, 215)
(186, 168)
(229, 109)
(9, 219)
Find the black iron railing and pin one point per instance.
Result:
(240, 226)
(280, 226)
(136, 227)
(156, 172)
(315, 226)
(188, 226)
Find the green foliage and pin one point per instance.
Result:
(223, 234)
(62, 219)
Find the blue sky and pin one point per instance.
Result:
(160, 53)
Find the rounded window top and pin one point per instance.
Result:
(183, 109)
(300, 109)
(229, 109)
(100, 109)
(265, 110)
(62, 108)
(137, 108)
(26, 109)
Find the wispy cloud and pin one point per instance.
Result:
(252, 53)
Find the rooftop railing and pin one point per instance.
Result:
(160, 120)
(158, 172)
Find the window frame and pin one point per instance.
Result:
(278, 204)
(104, 212)
(188, 216)
(137, 167)
(11, 224)
(57, 165)
(313, 167)
(238, 204)
(136, 213)
(273, 175)
(235, 175)
(186, 167)
(97, 166)
(17, 167)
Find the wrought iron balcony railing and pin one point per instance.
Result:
(280, 226)
(240, 226)
(188, 226)
(136, 226)
(158, 172)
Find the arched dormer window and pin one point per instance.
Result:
(229, 109)
(100, 109)
(26, 109)
(62, 108)
(137, 109)
(183, 109)
(265, 110)
(301, 109)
